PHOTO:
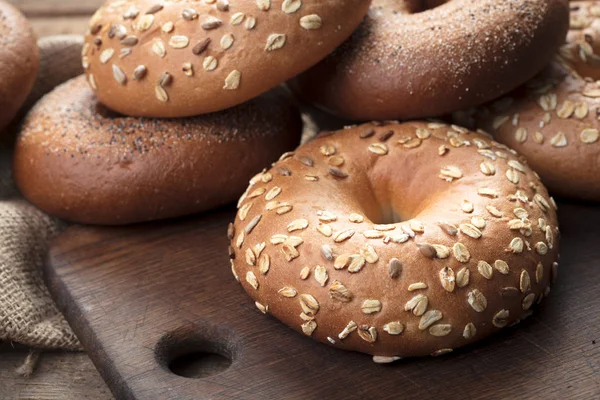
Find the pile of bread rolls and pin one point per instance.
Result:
(392, 238)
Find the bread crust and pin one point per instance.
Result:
(217, 54)
(19, 60)
(476, 247)
(406, 63)
(553, 119)
(79, 161)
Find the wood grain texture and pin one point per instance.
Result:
(59, 376)
(140, 295)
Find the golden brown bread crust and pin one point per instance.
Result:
(81, 162)
(18, 61)
(458, 55)
(484, 249)
(217, 53)
(553, 120)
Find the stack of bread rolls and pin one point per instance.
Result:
(412, 234)
(178, 106)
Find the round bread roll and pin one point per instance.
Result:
(158, 58)
(408, 60)
(397, 240)
(79, 161)
(553, 120)
(18, 61)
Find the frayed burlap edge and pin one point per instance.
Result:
(28, 314)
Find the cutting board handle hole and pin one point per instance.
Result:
(199, 364)
(189, 354)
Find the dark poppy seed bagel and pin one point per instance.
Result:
(553, 120)
(397, 240)
(19, 61)
(165, 58)
(79, 161)
(408, 60)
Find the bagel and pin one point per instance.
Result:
(183, 58)
(79, 161)
(396, 240)
(19, 61)
(408, 60)
(553, 119)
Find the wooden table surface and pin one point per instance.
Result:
(60, 375)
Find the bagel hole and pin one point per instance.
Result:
(419, 6)
(382, 206)
(387, 216)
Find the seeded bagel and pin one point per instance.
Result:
(397, 240)
(79, 161)
(19, 61)
(411, 59)
(164, 58)
(553, 119)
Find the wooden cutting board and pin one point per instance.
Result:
(147, 298)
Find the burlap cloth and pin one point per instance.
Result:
(27, 313)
